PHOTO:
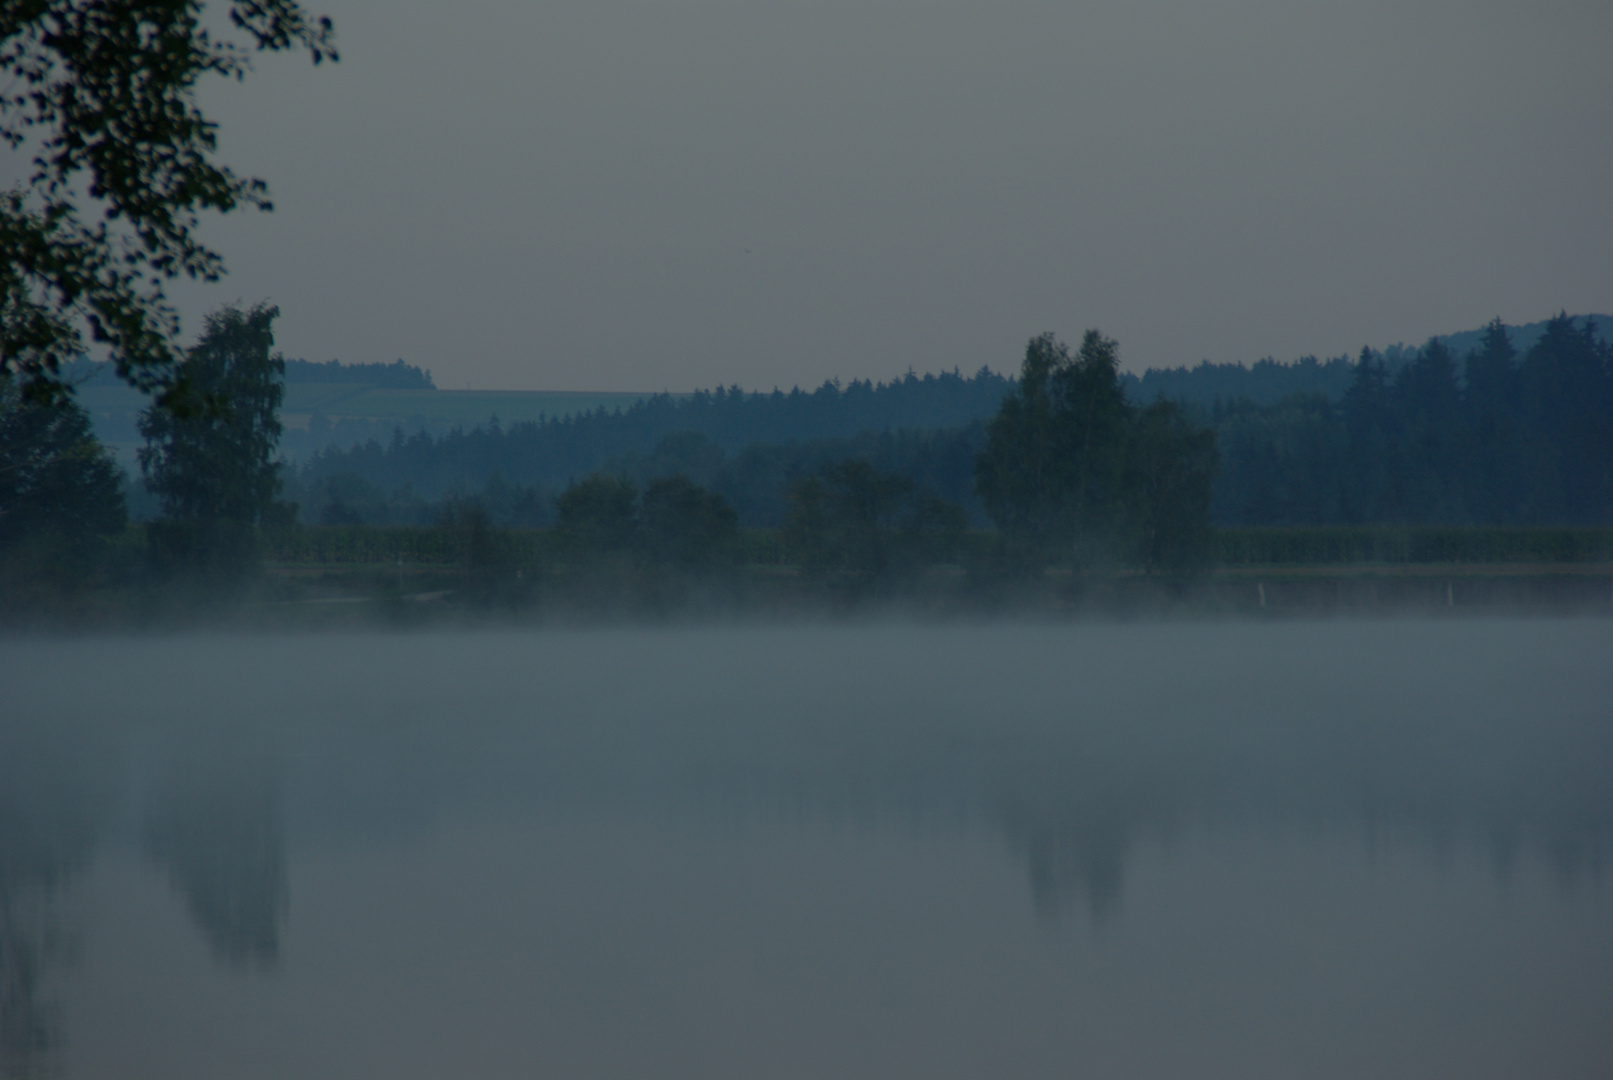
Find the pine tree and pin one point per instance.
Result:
(1490, 428)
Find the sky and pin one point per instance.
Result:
(664, 194)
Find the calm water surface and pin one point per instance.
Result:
(1246, 850)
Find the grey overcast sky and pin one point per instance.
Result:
(663, 194)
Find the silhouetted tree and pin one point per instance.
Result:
(212, 462)
(1169, 473)
(935, 530)
(1490, 428)
(599, 515)
(1023, 474)
(1427, 402)
(1566, 405)
(842, 522)
(59, 489)
(1071, 472)
(685, 527)
(491, 573)
(1372, 454)
(105, 91)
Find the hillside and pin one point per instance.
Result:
(334, 406)
(1266, 382)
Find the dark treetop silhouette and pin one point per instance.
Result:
(103, 93)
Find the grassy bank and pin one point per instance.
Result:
(1256, 571)
(1369, 546)
(330, 576)
(1411, 545)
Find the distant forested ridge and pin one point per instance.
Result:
(924, 426)
(1268, 381)
(1514, 429)
(394, 376)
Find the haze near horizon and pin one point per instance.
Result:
(643, 196)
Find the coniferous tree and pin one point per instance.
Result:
(1372, 453)
(1566, 392)
(1490, 428)
(1427, 404)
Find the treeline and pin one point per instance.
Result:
(1494, 436)
(1268, 382)
(754, 481)
(746, 445)
(394, 376)
(1489, 438)
(1069, 472)
(1074, 478)
(1071, 475)
(209, 457)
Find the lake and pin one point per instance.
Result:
(1207, 849)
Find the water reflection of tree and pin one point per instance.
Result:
(216, 831)
(30, 1024)
(1076, 855)
(1074, 817)
(54, 806)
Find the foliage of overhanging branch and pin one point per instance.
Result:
(102, 93)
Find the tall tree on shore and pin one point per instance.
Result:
(60, 492)
(1372, 455)
(842, 522)
(1566, 399)
(1427, 401)
(1490, 428)
(1169, 474)
(1069, 476)
(213, 465)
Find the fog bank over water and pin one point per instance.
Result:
(1336, 848)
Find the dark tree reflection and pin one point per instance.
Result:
(54, 806)
(216, 832)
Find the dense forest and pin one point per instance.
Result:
(856, 488)
(1492, 437)
(1268, 381)
(1495, 435)
(747, 446)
